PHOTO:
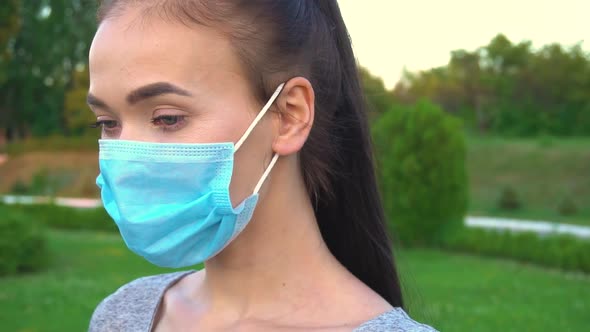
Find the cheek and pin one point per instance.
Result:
(213, 126)
(244, 178)
(221, 122)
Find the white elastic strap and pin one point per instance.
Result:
(259, 116)
(266, 173)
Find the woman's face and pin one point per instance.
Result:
(156, 81)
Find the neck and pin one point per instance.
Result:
(280, 258)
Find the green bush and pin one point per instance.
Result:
(66, 218)
(558, 251)
(20, 188)
(23, 246)
(509, 199)
(567, 207)
(44, 182)
(421, 164)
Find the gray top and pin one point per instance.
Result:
(132, 308)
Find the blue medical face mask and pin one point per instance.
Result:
(171, 202)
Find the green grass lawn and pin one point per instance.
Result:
(452, 292)
(466, 293)
(542, 172)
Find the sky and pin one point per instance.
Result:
(388, 35)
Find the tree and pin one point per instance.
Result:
(379, 99)
(53, 38)
(9, 26)
(76, 113)
(510, 89)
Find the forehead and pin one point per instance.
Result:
(136, 47)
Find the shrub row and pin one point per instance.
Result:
(65, 218)
(558, 251)
(23, 243)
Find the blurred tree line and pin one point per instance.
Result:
(503, 87)
(43, 54)
(510, 89)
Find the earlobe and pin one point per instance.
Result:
(296, 106)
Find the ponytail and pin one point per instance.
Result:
(351, 217)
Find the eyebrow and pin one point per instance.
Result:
(154, 90)
(142, 93)
(92, 100)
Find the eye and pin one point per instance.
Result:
(110, 128)
(105, 124)
(169, 122)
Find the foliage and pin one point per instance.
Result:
(509, 199)
(58, 217)
(503, 87)
(510, 89)
(558, 251)
(379, 99)
(20, 188)
(421, 154)
(567, 207)
(22, 243)
(43, 183)
(76, 113)
(49, 40)
(9, 26)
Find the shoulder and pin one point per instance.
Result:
(131, 307)
(395, 320)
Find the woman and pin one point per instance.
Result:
(240, 117)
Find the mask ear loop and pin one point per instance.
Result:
(252, 126)
(266, 173)
(259, 116)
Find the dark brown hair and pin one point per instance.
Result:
(280, 39)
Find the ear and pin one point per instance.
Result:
(296, 114)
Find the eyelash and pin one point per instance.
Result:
(103, 124)
(157, 121)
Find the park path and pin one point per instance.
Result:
(536, 226)
(514, 225)
(82, 203)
